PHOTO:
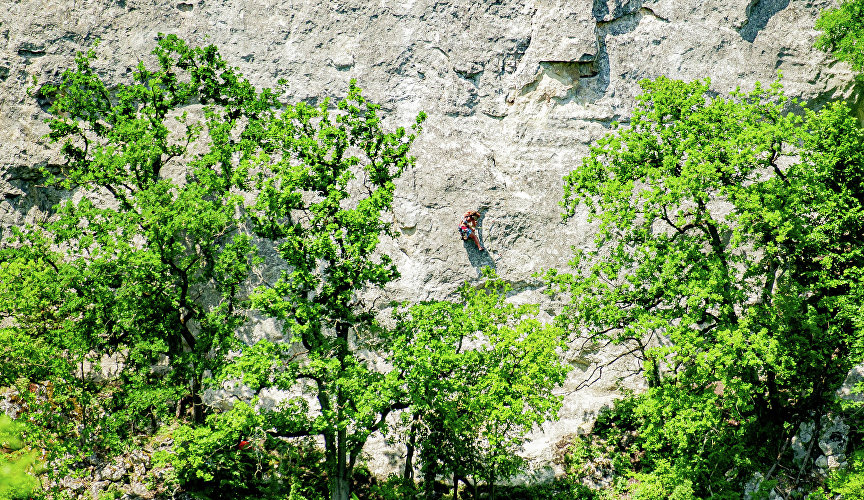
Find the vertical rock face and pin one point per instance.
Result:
(515, 90)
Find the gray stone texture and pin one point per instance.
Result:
(516, 91)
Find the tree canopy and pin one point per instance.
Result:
(728, 259)
(139, 270)
(480, 374)
(325, 181)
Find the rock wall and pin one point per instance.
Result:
(515, 90)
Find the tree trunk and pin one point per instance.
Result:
(197, 406)
(83, 405)
(341, 484)
(341, 488)
(408, 474)
(469, 486)
(455, 486)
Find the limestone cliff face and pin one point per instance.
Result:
(515, 90)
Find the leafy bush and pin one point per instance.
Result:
(843, 32)
(231, 456)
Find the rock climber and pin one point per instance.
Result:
(468, 227)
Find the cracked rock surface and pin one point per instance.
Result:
(515, 90)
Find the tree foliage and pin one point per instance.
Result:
(126, 302)
(325, 181)
(141, 265)
(479, 373)
(233, 456)
(843, 33)
(728, 258)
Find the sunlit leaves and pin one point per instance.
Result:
(479, 373)
(141, 267)
(728, 260)
(843, 33)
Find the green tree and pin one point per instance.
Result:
(843, 33)
(843, 36)
(728, 258)
(326, 181)
(479, 374)
(146, 258)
